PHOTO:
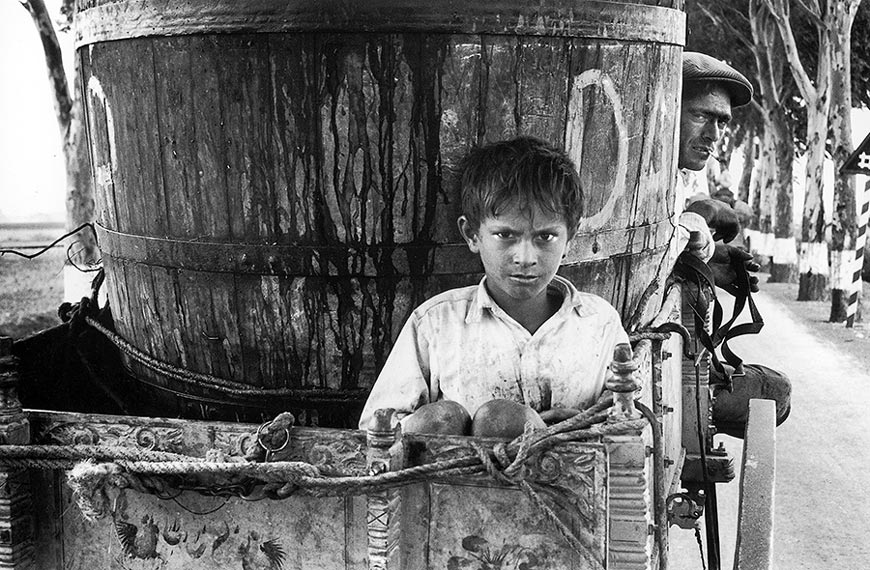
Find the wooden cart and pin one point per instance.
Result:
(275, 194)
(602, 500)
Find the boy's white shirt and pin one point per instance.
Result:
(461, 346)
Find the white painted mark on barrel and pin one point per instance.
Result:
(95, 89)
(574, 140)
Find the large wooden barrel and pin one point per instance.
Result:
(276, 178)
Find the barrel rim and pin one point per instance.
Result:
(108, 20)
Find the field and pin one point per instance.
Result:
(30, 290)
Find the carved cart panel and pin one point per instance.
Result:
(596, 492)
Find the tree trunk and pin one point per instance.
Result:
(783, 266)
(755, 188)
(67, 108)
(769, 76)
(779, 144)
(813, 259)
(748, 164)
(79, 189)
(843, 220)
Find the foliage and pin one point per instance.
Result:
(722, 29)
(861, 57)
(728, 39)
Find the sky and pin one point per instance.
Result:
(31, 162)
(32, 182)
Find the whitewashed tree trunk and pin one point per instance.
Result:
(844, 212)
(776, 183)
(813, 262)
(767, 191)
(783, 266)
(813, 279)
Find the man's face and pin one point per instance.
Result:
(521, 249)
(702, 120)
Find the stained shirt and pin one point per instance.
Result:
(461, 346)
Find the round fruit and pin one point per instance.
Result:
(441, 417)
(504, 419)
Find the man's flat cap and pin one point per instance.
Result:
(701, 67)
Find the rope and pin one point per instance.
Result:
(82, 452)
(105, 467)
(197, 379)
(309, 477)
(96, 470)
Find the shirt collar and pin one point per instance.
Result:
(571, 300)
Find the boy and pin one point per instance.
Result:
(523, 333)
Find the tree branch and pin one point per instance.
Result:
(54, 62)
(764, 49)
(780, 11)
(757, 106)
(813, 11)
(725, 23)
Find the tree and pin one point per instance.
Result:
(68, 112)
(843, 226)
(832, 20)
(742, 192)
(813, 262)
(751, 37)
(778, 141)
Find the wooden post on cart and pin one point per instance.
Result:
(383, 506)
(16, 519)
(627, 518)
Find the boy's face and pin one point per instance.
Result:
(521, 249)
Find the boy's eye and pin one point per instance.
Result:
(503, 235)
(547, 237)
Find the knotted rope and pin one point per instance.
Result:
(98, 471)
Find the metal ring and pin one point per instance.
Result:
(267, 448)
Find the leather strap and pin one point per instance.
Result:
(692, 269)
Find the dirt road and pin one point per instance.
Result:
(822, 504)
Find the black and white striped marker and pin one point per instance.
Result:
(860, 243)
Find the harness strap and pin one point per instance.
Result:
(691, 268)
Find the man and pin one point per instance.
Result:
(711, 89)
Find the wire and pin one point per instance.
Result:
(52, 244)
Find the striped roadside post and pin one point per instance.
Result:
(860, 243)
(858, 163)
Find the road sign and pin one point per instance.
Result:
(859, 161)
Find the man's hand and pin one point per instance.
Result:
(723, 272)
(721, 219)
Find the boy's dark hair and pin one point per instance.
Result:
(520, 171)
